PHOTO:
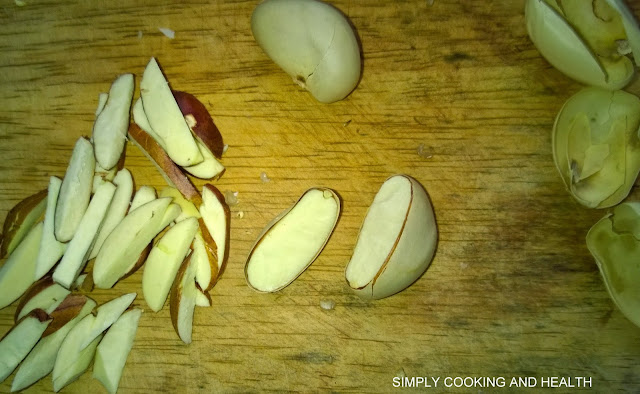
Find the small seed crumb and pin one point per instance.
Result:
(225, 148)
(422, 153)
(191, 121)
(231, 198)
(300, 81)
(139, 34)
(464, 266)
(327, 304)
(240, 214)
(167, 32)
(347, 123)
(263, 177)
(623, 47)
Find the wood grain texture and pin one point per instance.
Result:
(512, 290)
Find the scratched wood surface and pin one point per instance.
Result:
(453, 94)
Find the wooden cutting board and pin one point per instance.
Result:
(453, 94)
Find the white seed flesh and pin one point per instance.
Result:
(47, 299)
(128, 239)
(164, 260)
(144, 195)
(106, 315)
(50, 249)
(112, 123)
(578, 43)
(15, 346)
(102, 100)
(294, 240)
(311, 41)
(186, 303)
(165, 117)
(40, 361)
(200, 259)
(397, 240)
(596, 146)
(117, 210)
(214, 215)
(113, 350)
(379, 233)
(614, 242)
(209, 168)
(140, 118)
(77, 254)
(75, 191)
(72, 359)
(18, 271)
